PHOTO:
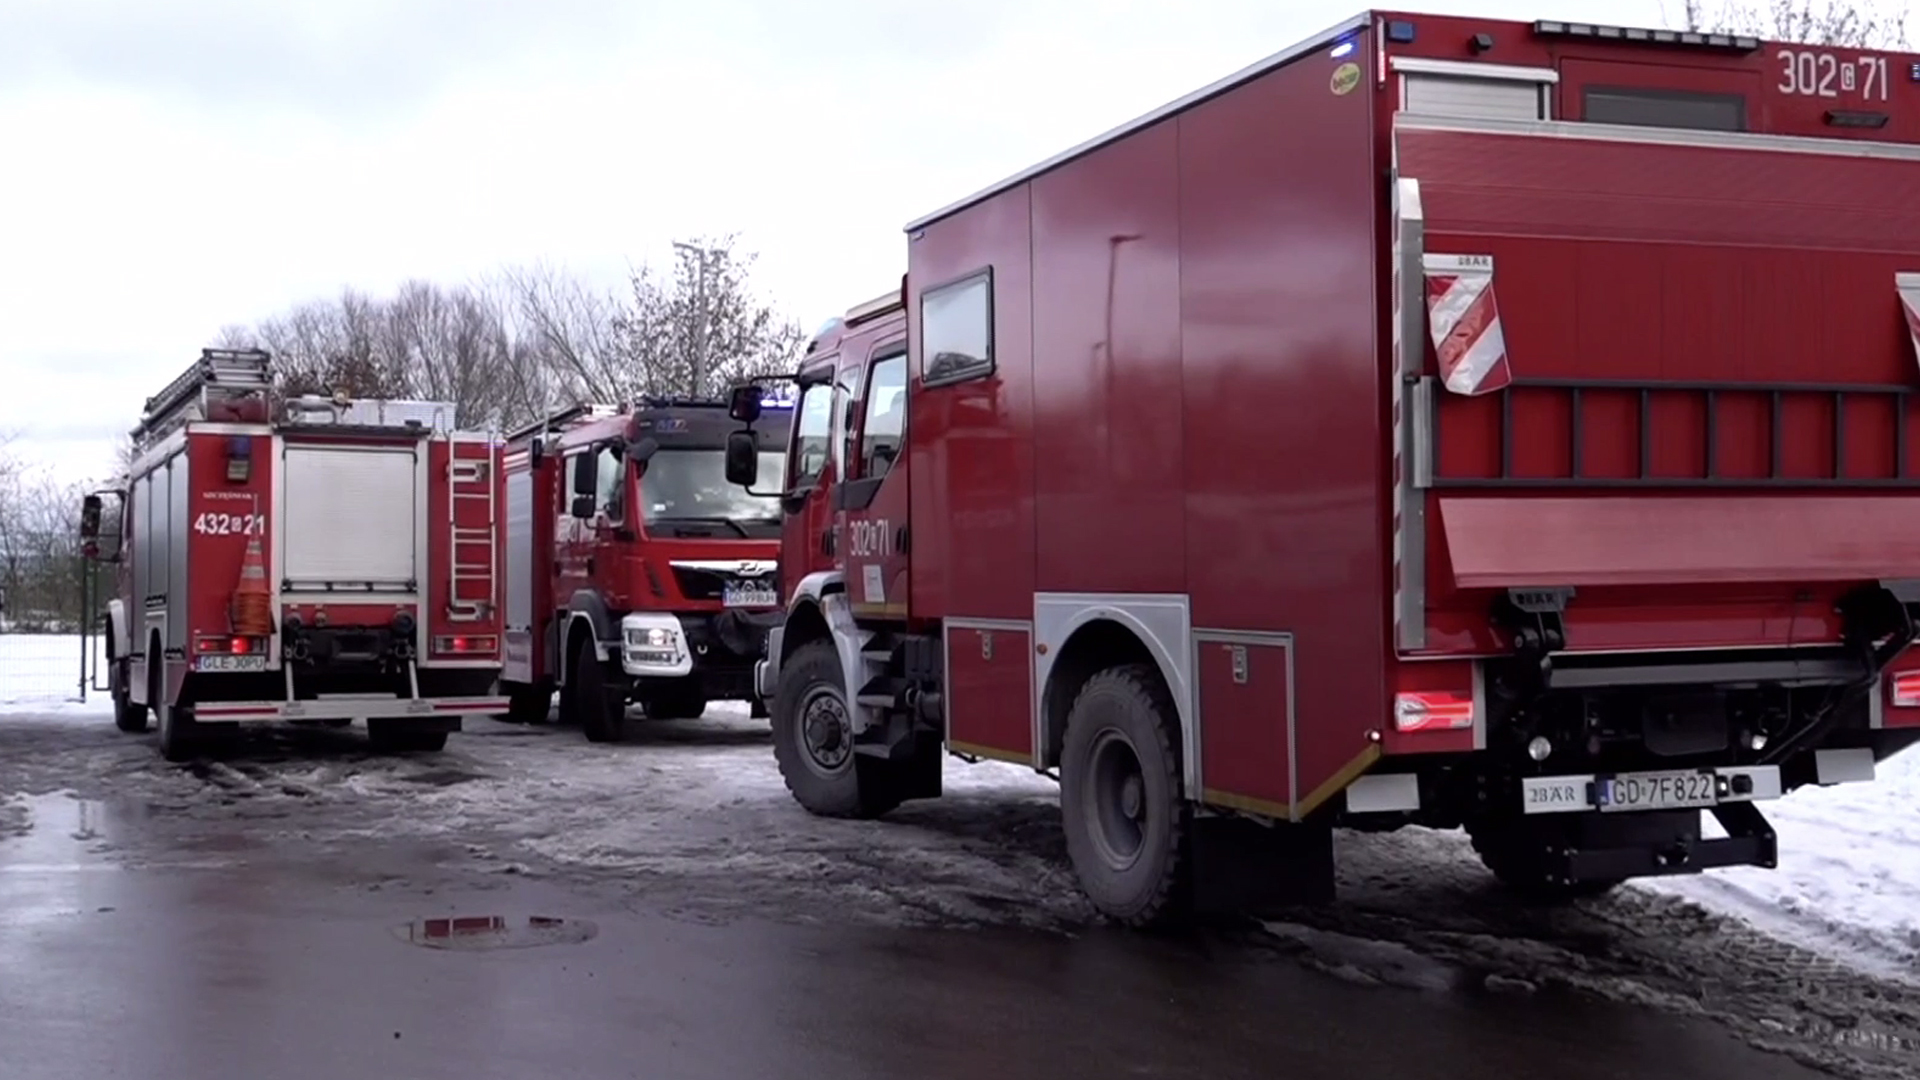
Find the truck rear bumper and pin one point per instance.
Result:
(348, 708)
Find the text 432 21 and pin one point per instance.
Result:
(230, 524)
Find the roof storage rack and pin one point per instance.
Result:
(216, 386)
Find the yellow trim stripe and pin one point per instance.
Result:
(1338, 782)
(976, 750)
(1244, 803)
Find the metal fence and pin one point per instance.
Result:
(43, 667)
(51, 653)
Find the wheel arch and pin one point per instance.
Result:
(587, 617)
(1079, 636)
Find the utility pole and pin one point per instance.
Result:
(699, 360)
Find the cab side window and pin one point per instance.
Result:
(845, 400)
(884, 426)
(610, 488)
(812, 430)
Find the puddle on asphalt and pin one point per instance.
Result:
(59, 831)
(480, 932)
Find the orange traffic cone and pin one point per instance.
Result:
(252, 601)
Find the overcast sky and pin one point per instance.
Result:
(176, 165)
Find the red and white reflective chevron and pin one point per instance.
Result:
(1908, 285)
(1464, 319)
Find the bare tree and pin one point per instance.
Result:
(571, 331)
(705, 329)
(519, 343)
(1862, 25)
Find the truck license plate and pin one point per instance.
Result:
(231, 663)
(749, 594)
(1685, 789)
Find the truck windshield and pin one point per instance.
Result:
(691, 485)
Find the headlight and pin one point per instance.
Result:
(652, 638)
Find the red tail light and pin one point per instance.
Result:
(1432, 712)
(1906, 690)
(466, 646)
(236, 645)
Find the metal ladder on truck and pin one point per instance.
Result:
(219, 375)
(474, 549)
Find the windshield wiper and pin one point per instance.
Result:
(727, 521)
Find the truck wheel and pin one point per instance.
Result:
(813, 740)
(1515, 852)
(673, 701)
(1125, 819)
(600, 710)
(127, 716)
(529, 704)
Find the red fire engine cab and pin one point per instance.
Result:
(1444, 421)
(635, 571)
(338, 562)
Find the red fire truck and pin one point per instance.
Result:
(635, 571)
(337, 562)
(1444, 421)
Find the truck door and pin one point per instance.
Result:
(873, 497)
(806, 538)
(584, 539)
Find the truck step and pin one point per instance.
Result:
(881, 657)
(876, 701)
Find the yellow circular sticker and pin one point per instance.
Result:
(1345, 78)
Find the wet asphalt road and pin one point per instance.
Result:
(180, 965)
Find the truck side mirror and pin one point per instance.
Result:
(744, 405)
(586, 478)
(743, 457)
(641, 451)
(582, 507)
(90, 517)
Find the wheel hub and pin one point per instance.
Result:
(826, 731)
(1117, 812)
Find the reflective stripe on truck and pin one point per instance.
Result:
(347, 708)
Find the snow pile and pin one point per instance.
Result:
(1848, 884)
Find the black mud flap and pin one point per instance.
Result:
(1243, 867)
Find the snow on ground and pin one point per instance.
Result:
(1848, 884)
(37, 670)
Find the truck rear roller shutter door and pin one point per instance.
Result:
(350, 517)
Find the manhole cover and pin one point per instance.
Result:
(494, 932)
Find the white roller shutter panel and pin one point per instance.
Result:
(350, 517)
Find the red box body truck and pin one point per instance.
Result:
(1444, 421)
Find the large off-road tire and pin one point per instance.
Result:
(128, 715)
(529, 704)
(403, 737)
(599, 704)
(672, 699)
(1125, 819)
(1515, 852)
(813, 740)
